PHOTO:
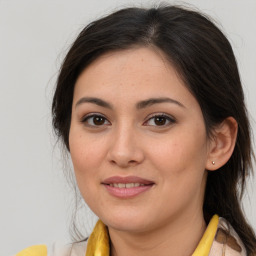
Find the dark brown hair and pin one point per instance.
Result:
(205, 61)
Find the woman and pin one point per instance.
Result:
(150, 106)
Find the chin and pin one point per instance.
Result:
(124, 222)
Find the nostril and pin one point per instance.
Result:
(125, 156)
(123, 163)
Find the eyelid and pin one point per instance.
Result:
(170, 118)
(91, 115)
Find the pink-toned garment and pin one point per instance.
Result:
(226, 241)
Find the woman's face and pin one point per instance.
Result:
(137, 141)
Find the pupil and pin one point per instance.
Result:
(98, 120)
(160, 120)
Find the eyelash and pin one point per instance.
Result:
(165, 117)
(91, 116)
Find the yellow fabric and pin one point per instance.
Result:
(98, 243)
(204, 246)
(36, 250)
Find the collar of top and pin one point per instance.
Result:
(98, 243)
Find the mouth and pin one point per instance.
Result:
(127, 187)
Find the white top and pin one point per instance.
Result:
(75, 249)
(226, 242)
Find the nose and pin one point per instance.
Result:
(125, 148)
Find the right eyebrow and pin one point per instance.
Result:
(93, 100)
(153, 101)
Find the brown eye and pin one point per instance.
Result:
(98, 120)
(95, 120)
(160, 120)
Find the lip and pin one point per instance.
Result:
(127, 192)
(128, 179)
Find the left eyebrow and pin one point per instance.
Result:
(96, 101)
(152, 101)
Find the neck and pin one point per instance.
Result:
(179, 238)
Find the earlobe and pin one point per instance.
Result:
(222, 144)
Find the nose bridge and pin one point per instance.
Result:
(125, 149)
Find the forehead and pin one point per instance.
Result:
(134, 73)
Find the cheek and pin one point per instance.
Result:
(84, 161)
(86, 151)
(181, 165)
(84, 158)
(180, 154)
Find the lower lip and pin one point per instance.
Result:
(127, 192)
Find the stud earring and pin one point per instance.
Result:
(213, 162)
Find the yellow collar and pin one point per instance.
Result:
(205, 244)
(98, 243)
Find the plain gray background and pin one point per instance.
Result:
(34, 37)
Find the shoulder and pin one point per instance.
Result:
(57, 249)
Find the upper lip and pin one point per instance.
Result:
(128, 179)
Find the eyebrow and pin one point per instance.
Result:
(139, 105)
(152, 101)
(96, 101)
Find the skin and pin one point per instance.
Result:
(130, 142)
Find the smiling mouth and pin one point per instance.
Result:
(127, 187)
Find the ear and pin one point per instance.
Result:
(222, 144)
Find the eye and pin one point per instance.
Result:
(160, 120)
(95, 120)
